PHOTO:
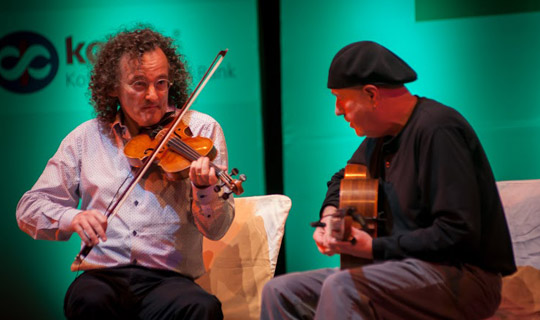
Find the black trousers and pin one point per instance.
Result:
(134, 292)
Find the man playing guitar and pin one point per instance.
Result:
(446, 242)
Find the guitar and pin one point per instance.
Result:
(357, 208)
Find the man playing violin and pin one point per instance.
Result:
(144, 260)
(443, 242)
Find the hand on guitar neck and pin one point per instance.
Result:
(349, 230)
(336, 237)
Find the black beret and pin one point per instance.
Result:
(366, 62)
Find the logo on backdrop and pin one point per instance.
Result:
(28, 62)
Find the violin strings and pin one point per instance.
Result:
(181, 147)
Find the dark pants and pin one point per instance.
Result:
(134, 292)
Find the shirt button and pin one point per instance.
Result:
(136, 203)
(134, 232)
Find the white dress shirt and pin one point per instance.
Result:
(162, 222)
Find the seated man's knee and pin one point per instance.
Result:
(279, 285)
(210, 304)
(337, 278)
(335, 282)
(199, 305)
(91, 303)
(191, 304)
(273, 285)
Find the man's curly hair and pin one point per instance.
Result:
(105, 75)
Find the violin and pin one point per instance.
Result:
(145, 152)
(176, 156)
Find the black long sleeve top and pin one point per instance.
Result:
(437, 190)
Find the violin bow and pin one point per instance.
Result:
(200, 86)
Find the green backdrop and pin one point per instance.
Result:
(482, 62)
(36, 273)
(486, 66)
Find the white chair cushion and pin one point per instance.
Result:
(521, 201)
(239, 264)
(520, 297)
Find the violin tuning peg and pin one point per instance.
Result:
(225, 195)
(234, 172)
(242, 177)
(217, 188)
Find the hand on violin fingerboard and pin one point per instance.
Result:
(202, 174)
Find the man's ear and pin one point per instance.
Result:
(372, 92)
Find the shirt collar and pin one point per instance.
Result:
(119, 127)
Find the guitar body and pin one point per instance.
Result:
(358, 202)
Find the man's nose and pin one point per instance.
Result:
(151, 93)
(338, 110)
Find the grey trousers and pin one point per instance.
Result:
(407, 289)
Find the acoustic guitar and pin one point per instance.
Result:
(357, 207)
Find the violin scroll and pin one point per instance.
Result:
(231, 185)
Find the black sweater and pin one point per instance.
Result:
(437, 191)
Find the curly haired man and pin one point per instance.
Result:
(144, 260)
